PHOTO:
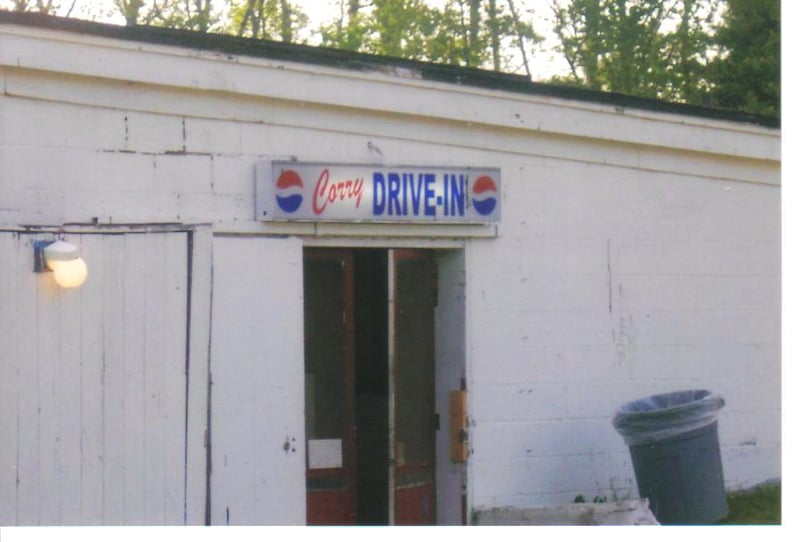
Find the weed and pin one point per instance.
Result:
(758, 506)
(616, 494)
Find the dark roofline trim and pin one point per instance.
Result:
(430, 71)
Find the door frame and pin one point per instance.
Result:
(451, 367)
(392, 368)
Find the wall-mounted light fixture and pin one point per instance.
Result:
(62, 259)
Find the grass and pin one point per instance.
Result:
(758, 506)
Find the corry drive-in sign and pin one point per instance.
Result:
(357, 193)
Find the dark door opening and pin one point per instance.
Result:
(370, 415)
(372, 387)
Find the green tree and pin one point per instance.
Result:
(653, 48)
(688, 52)
(453, 40)
(484, 34)
(399, 28)
(266, 19)
(130, 9)
(462, 32)
(746, 75)
(195, 15)
(48, 7)
(349, 30)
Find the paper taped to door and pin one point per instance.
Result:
(325, 453)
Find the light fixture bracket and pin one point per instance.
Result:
(39, 263)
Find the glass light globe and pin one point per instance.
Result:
(70, 273)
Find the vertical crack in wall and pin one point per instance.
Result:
(183, 134)
(127, 131)
(623, 333)
(610, 281)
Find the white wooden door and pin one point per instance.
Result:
(93, 384)
(257, 392)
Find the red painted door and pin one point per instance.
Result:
(370, 458)
(329, 369)
(412, 410)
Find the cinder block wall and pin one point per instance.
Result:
(637, 253)
(610, 282)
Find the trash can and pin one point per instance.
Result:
(674, 447)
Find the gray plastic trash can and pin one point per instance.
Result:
(674, 447)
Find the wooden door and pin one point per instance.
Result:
(412, 416)
(93, 384)
(330, 403)
(257, 455)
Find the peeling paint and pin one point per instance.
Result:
(624, 338)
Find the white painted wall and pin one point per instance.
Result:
(638, 251)
(613, 284)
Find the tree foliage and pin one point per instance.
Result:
(652, 48)
(49, 7)
(197, 15)
(266, 19)
(461, 32)
(747, 73)
(724, 53)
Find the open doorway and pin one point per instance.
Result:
(371, 386)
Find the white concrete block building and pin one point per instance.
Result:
(228, 363)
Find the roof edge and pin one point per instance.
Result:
(325, 56)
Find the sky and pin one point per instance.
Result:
(544, 64)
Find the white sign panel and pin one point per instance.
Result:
(291, 191)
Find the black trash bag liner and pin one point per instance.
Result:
(667, 415)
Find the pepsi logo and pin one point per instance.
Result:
(289, 191)
(484, 195)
